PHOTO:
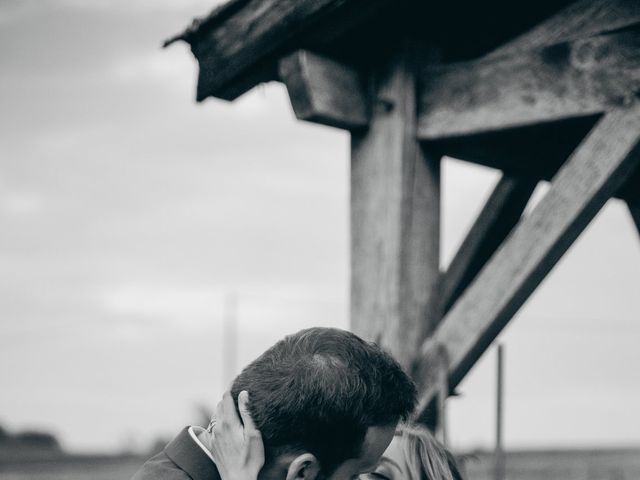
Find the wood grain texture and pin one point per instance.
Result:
(499, 215)
(580, 19)
(324, 91)
(525, 152)
(395, 220)
(579, 190)
(240, 47)
(521, 151)
(238, 44)
(575, 79)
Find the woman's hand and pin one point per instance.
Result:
(237, 450)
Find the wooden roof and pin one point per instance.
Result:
(241, 43)
(238, 44)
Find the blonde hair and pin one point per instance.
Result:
(426, 457)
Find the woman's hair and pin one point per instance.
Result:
(426, 457)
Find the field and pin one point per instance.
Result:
(565, 465)
(529, 465)
(74, 468)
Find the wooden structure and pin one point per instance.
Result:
(545, 90)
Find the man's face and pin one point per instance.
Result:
(375, 443)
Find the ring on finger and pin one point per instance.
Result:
(211, 426)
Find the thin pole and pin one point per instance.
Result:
(230, 338)
(499, 453)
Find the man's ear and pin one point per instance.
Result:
(304, 467)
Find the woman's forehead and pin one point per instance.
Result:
(395, 450)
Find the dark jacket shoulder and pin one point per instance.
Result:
(181, 459)
(160, 467)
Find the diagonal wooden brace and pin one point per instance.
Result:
(498, 216)
(579, 190)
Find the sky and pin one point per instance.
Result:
(130, 214)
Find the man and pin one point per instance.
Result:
(325, 401)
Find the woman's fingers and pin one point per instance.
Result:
(253, 437)
(219, 416)
(227, 418)
(229, 413)
(237, 450)
(250, 428)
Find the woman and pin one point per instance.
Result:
(413, 454)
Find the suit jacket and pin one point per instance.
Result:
(181, 459)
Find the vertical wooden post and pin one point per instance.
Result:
(395, 219)
(443, 394)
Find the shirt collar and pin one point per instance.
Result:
(193, 433)
(190, 455)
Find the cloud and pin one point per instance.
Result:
(13, 10)
(22, 203)
(185, 305)
(290, 306)
(135, 6)
(173, 65)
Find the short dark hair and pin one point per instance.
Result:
(319, 390)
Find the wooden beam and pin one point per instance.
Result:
(499, 215)
(238, 44)
(580, 19)
(575, 79)
(521, 152)
(395, 219)
(324, 91)
(582, 186)
(634, 210)
(630, 191)
(525, 152)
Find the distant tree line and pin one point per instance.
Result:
(28, 443)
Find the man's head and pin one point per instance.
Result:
(326, 402)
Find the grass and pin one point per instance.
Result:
(526, 465)
(73, 468)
